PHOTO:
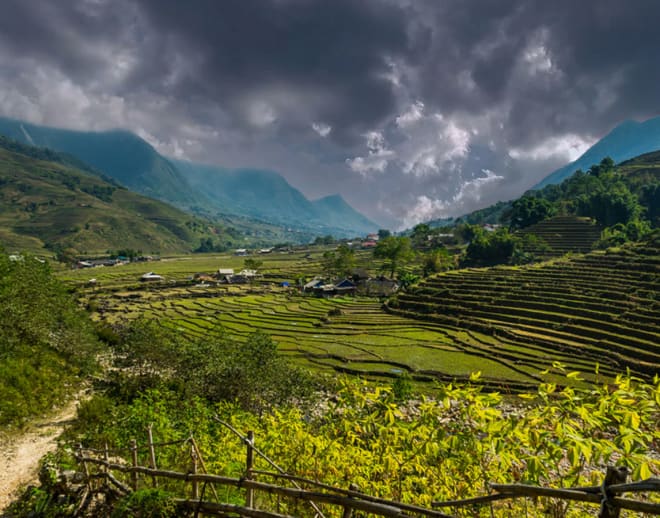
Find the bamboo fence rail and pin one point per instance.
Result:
(607, 495)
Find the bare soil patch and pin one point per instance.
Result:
(20, 454)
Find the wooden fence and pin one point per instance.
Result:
(100, 475)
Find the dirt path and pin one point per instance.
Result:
(19, 456)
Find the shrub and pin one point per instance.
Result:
(146, 503)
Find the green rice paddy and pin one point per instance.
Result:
(509, 323)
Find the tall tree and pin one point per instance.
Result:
(420, 234)
(340, 262)
(395, 251)
(528, 210)
(610, 206)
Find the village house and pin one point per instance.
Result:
(151, 277)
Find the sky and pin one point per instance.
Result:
(411, 109)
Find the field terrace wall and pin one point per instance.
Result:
(565, 234)
(602, 307)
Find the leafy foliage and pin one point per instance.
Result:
(447, 447)
(610, 205)
(146, 503)
(490, 248)
(435, 261)
(395, 251)
(45, 340)
(528, 210)
(215, 367)
(339, 263)
(252, 263)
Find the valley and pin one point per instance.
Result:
(537, 341)
(329, 259)
(510, 323)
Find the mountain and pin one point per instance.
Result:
(47, 201)
(244, 193)
(629, 139)
(266, 195)
(119, 154)
(335, 212)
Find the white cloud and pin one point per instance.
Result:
(434, 146)
(471, 191)
(423, 145)
(321, 128)
(378, 157)
(260, 113)
(414, 113)
(468, 193)
(564, 147)
(536, 58)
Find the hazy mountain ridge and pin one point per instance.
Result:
(338, 212)
(46, 202)
(627, 140)
(266, 195)
(119, 154)
(198, 188)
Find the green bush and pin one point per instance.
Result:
(47, 341)
(146, 503)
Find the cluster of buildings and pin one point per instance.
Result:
(362, 285)
(117, 261)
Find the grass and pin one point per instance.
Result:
(508, 323)
(581, 307)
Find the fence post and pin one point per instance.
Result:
(106, 458)
(134, 475)
(249, 460)
(613, 475)
(195, 485)
(88, 481)
(348, 511)
(152, 453)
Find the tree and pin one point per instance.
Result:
(250, 263)
(206, 245)
(67, 255)
(215, 366)
(606, 165)
(467, 232)
(650, 198)
(407, 279)
(383, 233)
(339, 263)
(490, 248)
(528, 210)
(324, 240)
(420, 234)
(435, 261)
(610, 206)
(395, 251)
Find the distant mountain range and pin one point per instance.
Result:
(202, 189)
(628, 140)
(265, 195)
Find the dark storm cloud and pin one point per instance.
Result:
(331, 53)
(68, 34)
(604, 57)
(442, 105)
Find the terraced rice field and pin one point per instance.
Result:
(564, 234)
(509, 323)
(351, 335)
(599, 307)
